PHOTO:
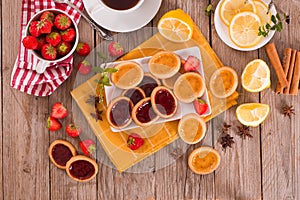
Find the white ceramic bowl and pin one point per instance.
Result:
(42, 65)
(223, 32)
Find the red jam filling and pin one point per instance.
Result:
(82, 169)
(148, 84)
(120, 112)
(145, 112)
(134, 95)
(165, 102)
(61, 154)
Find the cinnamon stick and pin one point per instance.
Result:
(291, 71)
(275, 61)
(285, 64)
(296, 76)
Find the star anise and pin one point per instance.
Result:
(244, 131)
(98, 115)
(92, 100)
(176, 153)
(226, 141)
(225, 128)
(288, 111)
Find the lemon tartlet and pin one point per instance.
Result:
(129, 75)
(164, 64)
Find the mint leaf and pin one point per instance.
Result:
(97, 69)
(110, 70)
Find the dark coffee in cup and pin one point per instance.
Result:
(121, 4)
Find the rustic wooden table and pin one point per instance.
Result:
(263, 167)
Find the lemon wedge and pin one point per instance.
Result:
(176, 26)
(256, 76)
(252, 114)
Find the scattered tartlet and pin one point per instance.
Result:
(191, 128)
(204, 160)
(223, 82)
(81, 168)
(60, 152)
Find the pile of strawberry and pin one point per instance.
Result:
(52, 36)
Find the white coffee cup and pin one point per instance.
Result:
(43, 63)
(101, 5)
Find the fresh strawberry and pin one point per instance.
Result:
(30, 42)
(34, 30)
(83, 49)
(53, 38)
(63, 48)
(192, 63)
(88, 147)
(48, 15)
(41, 41)
(68, 35)
(59, 111)
(134, 141)
(37, 28)
(45, 26)
(200, 106)
(53, 124)
(73, 130)
(84, 67)
(62, 22)
(48, 52)
(115, 49)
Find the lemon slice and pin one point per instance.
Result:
(191, 128)
(262, 11)
(256, 76)
(243, 29)
(176, 26)
(204, 160)
(229, 8)
(252, 114)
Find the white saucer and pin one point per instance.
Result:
(123, 22)
(222, 31)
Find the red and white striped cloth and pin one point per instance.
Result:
(24, 76)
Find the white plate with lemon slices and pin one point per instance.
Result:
(232, 29)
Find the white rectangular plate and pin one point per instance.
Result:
(183, 108)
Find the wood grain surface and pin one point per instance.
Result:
(263, 167)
